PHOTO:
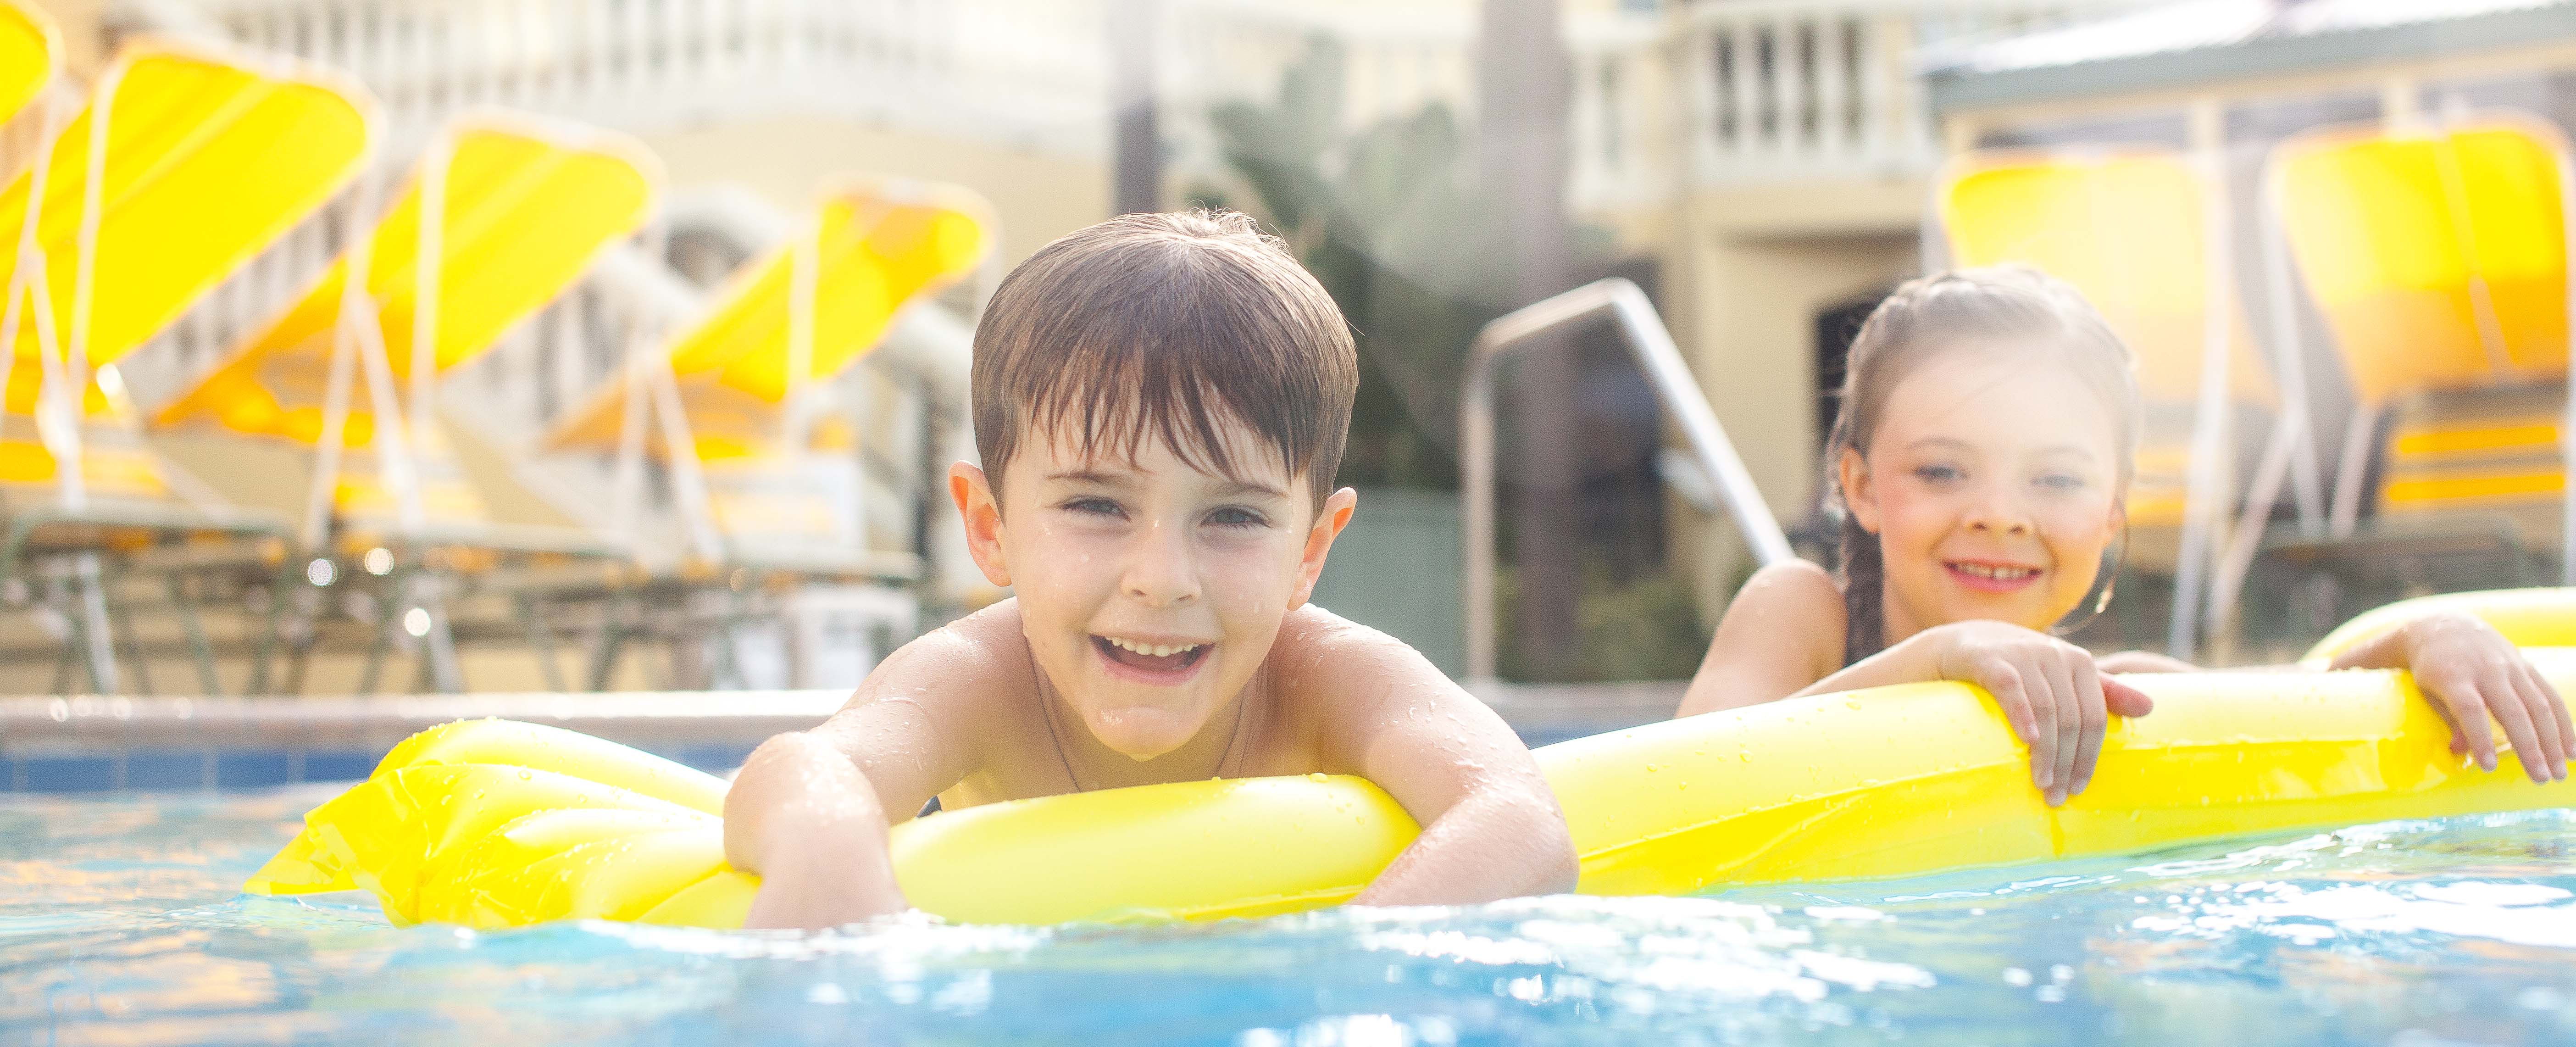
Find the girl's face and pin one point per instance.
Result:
(1992, 483)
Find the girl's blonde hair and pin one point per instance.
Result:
(1945, 311)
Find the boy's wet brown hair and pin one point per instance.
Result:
(1155, 323)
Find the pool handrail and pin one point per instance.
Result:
(1661, 361)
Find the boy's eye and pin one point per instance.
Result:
(1937, 473)
(1233, 516)
(1094, 507)
(2062, 481)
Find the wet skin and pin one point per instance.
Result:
(1159, 632)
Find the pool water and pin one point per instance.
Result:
(119, 922)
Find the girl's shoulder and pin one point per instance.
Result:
(1794, 585)
(1791, 606)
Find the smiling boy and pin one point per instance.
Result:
(1160, 402)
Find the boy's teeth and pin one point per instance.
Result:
(2006, 573)
(1152, 649)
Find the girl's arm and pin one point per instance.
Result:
(1783, 636)
(2466, 669)
(1782, 632)
(1491, 827)
(2470, 672)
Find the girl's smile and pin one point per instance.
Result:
(1987, 576)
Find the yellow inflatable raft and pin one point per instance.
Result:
(495, 824)
(2530, 617)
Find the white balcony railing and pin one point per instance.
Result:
(1705, 92)
(1787, 89)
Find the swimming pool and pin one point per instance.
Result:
(119, 922)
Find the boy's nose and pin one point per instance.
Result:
(1161, 573)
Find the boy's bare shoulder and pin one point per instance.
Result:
(976, 661)
(1322, 655)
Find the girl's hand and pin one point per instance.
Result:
(2049, 690)
(2470, 672)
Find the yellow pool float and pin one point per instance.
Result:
(496, 824)
(2530, 617)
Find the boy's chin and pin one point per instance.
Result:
(1142, 733)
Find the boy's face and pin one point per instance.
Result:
(1150, 591)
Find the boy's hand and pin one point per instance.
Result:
(810, 882)
(2049, 690)
(804, 818)
(2470, 672)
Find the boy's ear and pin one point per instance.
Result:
(1336, 514)
(979, 507)
(1860, 495)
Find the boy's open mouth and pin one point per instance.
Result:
(1151, 658)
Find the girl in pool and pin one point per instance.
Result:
(1980, 465)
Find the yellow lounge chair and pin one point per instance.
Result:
(517, 209)
(2129, 227)
(31, 55)
(2438, 257)
(205, 161)
(769, 502)
(527, 207)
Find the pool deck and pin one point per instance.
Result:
(94, 743)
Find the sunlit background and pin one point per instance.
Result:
(707, 271)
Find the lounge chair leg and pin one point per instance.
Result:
(299, 659)
(612, 635)
(97, 643)
(73, 642)
(439, 646)
(728, 664)
(198, 650)
(279, 586)
(121, 619)
(541, 640)
(384, 639)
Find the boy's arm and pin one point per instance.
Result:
(1491, 828)
(809, 810)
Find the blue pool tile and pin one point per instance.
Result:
(70, 774)
(9, 780)
(716, 758)
(251, 768)
(338, 765)
(165, 769)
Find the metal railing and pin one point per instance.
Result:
(1652, 344)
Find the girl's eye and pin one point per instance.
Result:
(1232, 516)
(1093, 507)
(1937, 473)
